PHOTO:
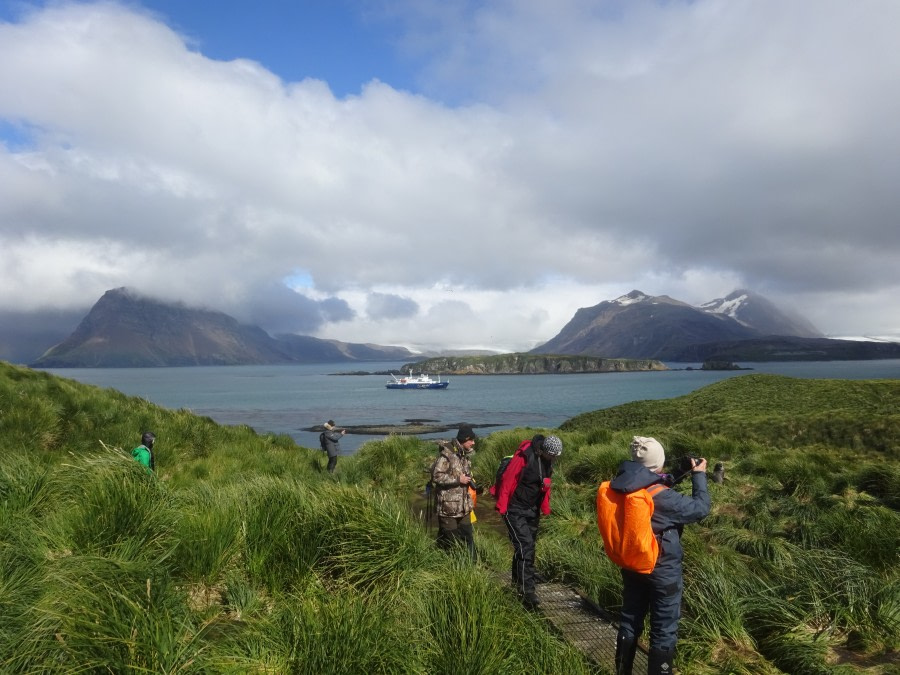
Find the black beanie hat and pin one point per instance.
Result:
(465, 433)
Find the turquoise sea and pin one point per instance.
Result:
(288, 399)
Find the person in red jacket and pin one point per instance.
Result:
(523, 495)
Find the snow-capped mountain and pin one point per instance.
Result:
(756, 312)
(638, 325)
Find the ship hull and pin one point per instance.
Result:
(412, 385)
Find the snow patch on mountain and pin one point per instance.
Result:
(632, 298)
(729, 306)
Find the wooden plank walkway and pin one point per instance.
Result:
(582, 623)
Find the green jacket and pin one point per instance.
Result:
(142, 454)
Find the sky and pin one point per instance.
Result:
(450, 174)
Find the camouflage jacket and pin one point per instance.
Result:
(453, 499)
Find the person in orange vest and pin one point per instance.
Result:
(658, 592)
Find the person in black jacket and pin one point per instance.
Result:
(332, 439)
(523, 495)
(660, 591)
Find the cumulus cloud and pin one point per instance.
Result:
(556, 155)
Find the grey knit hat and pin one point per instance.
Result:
(649, 452)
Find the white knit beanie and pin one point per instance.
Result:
(649, 452)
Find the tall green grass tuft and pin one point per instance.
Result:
(390, 464)
(370, 542)
(327, 632)
(282, 537)
(108, 615)
(114, 506)
(475, 627)
(207, 534)
(594, 464)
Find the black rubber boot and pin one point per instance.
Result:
(531, 600)
(625, 651)
(661, 661)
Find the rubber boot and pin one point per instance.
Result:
(661, 661)
(625, 651)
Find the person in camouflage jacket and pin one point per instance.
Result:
(451, 476)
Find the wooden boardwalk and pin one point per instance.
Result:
(582, 623)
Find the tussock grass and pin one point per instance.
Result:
(371, 542)
(336, 632)
(206, 534)
(104, 613)
(474, 627)
(109, 505)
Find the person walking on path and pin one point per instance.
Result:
(523, 495)
(331, 443)
(658, 592)
(144, 452)
(451, 476)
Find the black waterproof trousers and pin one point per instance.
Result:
(660, 594)
(522, 527)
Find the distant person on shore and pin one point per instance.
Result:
(451, 476)
(522, 496)
(144, 452)
(331, 443)
(658, 592)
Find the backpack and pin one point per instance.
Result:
(498, 476)
(322, 442)
(624, 522)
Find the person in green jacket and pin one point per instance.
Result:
(144, 452)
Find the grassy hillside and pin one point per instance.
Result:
(782, 411)
(242, 555)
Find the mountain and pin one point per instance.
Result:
(756, 312)
(124, 329)
(742, 326)
(639, 326)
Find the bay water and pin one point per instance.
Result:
(290, 399)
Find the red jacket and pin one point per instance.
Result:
(510, 481)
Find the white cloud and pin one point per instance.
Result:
(679, 148)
